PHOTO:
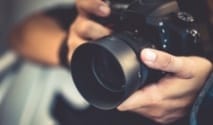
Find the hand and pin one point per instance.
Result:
(170, 98)
(97, 7)
(84, 29)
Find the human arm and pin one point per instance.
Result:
(39, 37)
(193, 86)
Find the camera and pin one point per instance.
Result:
(109, 70)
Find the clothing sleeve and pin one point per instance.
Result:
(23, 8)
(63, 15)
(202, 109)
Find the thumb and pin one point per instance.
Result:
(155, 59)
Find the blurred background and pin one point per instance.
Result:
(28, 90)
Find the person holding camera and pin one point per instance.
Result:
(170, 98)
(165, 102)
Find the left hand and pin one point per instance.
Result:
(83, 28)
(170, 98)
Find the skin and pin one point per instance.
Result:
(34, 35)
(164, 101)
(83, 28)
(38, 38)
(169, 99)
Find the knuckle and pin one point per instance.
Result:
(88, 5)
(168, 62)
(159, 121)
(169, 118)
(84, 28)
(157, 98)
(159, 115)
(162, 121)
(209, 64)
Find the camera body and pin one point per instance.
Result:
(107, 71)
(160, 24)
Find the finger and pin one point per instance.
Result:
(163, 61)
(161, 115)
(89, 29)
(97, 7)
(142, 98)
(154, 98)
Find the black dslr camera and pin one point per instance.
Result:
(108, 70)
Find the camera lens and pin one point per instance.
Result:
(107, 71)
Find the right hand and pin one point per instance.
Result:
(170, 98)
(83, 28)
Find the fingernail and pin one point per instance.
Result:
(104, 9)
(148, 55)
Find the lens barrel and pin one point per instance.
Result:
(107, 71)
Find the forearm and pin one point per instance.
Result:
(38, 39)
